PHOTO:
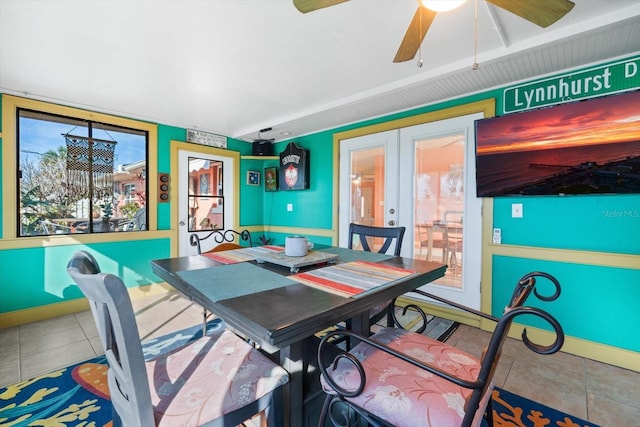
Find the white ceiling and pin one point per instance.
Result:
(233, 67)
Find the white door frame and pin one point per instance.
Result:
(388, 140)
(180, 151)
(469, 294)
(399, 169)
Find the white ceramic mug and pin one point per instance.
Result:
(297, 246)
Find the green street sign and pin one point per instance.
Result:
(606, 79)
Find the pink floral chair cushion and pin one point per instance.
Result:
(403, 394)
(180, 381)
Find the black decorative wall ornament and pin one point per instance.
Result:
(294, 168)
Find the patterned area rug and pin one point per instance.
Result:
(78, 395)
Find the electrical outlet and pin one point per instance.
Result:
(289, 207)
(516, 210)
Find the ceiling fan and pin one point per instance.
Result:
(540, 12)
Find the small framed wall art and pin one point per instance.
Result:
(253, 178)
(270, 179)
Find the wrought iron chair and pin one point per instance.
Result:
(397, 377)
(225, 242)
(216, 380)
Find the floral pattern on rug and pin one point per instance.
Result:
(511, 410)
(79, 396)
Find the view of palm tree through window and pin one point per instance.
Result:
(78, 176)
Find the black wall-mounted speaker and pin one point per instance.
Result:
(164, 185)
(262, 147)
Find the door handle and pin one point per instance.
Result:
(392, 223)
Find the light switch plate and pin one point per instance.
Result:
(516, 210)
(497, 236)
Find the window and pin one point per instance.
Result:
(204, 184)
(79, 176)
(129, 190)
(206, 202)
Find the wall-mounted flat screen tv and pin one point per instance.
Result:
(586, 147)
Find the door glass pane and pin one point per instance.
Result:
(439, 203)
(206, 200)
(367, 189)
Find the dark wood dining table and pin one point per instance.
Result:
(260, 301)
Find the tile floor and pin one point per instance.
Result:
(600, 393)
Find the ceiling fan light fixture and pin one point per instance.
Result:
(442, 5)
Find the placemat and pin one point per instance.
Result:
(233, 280)
(352, 279)
(347, 255)
(242, 255)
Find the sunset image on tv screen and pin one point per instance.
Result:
(584, 147)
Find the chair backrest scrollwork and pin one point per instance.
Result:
(221, 237)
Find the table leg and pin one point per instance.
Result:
(291, 359)
(360, 324)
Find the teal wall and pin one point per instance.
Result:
(606, 223)
(34, 277)
(311, 207)
(166, 134)
(597, 303)
(1, 175)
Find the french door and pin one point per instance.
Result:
(421, 177)
(368, 182)
(206, 196)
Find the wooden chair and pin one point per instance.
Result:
(216, 380)
(453, 219)
(397, 377)
(383, 237)
(369, 237)
(439, 240)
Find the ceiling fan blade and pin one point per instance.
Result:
(540, 12)
(412, 40)
(305, 6)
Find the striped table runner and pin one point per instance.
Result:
(352, 278)
(241, 255)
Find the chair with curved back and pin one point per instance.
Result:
(370, 236)
(216, 380)
(397, 377)
(225, 241)
(382, 238)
